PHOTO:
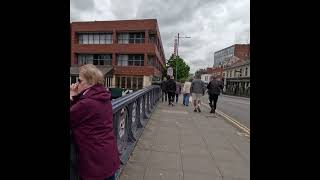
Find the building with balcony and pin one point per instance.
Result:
(237, 50)
(128, 52)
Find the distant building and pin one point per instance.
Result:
(237, 50)
(237, 78)
(206, 78)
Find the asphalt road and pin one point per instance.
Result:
(236, 107)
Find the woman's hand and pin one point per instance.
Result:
(73, 90)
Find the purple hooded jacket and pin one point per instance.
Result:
(92, 129)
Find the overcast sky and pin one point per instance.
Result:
(211, 24)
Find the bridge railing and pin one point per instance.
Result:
(130, 115)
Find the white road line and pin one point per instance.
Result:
(233, 101)
(233, 121)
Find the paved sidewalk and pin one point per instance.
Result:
(179, 144)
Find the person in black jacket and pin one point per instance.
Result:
(214, 88)
(171, 89)
(164, 92)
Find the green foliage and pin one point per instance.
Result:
(183, 68)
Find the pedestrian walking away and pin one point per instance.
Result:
(186, 92)
(197, 89)
(171, 89)
(164, 92)
(214, 88)
(178, 91)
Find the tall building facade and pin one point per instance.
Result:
(128, 52)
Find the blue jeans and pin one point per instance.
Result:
(186, 99)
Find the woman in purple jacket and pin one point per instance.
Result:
(91, 126)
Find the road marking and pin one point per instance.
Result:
(233, 101)
(233, 121)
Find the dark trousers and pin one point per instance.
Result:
(177, 98)
(214, 98)
(171, 97)
(164, 96)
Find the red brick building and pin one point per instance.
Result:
(129, 52)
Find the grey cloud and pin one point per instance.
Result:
(82, 5)
(212, 24)
(198, 62)
(124, 9)
(74, 16)
(170, 12)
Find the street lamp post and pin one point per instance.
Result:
(178, 54)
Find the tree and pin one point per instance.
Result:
(183, 68)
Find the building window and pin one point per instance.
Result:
(85, 59)
(95, 38)
(90, 39)
(240, 72)
(96, 59)
(134, 83)
(129, 82)
(131, 60)
(102, 59)
(123, 60)
(136, 38)
(132, 38)
(136, 60)
(246, 72)
(123, 82)
(151, 60)
(140, 82)
(73, 79)
(118, 82)
(152, 38)
(123, 38)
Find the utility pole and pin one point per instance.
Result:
(176, 59)
(178, 54)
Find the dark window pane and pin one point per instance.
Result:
(95, 62)
(118, 82)
(128, 82)
(73, 79)
(137, 63)
(134, 82)
(123, 82)
(140, 82)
